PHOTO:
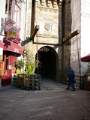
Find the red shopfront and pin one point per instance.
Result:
(1, 59)
(11, 50)
(10, 53)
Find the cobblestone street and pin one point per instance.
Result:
(52, 102)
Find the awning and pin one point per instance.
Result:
(86, 58)
(14, 48)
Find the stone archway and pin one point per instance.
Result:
(47, 62)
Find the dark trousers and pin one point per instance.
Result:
(71, 85)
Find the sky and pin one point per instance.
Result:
(85, 27)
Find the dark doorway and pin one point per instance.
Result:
(47, 59)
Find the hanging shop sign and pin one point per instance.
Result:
(9, 24)
(11, 33)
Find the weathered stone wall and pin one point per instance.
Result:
(47, 19)
(46, 16)
(65, 20)
(28, 17)
(69, 53)
(76, 41)
(69, 20)
(67, 17)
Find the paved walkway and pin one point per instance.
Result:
(47, 84)
(52, 102)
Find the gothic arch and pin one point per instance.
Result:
(47, 62)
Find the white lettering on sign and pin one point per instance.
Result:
(16, 50)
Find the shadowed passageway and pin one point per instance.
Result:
(47, 58)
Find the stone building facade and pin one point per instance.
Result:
(71, 22)
(46, 17)
(56, 21)
(76, 41)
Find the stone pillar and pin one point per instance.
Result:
(64, 29)
(32, 16)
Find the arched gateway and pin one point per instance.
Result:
(47, 62)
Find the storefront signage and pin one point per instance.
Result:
(9, 24)
(11, 33)
(10, 29)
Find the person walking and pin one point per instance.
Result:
(71, 79)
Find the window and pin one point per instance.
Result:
(8, 7)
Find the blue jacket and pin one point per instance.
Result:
(71, 76)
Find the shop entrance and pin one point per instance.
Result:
(46, 65)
